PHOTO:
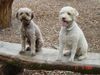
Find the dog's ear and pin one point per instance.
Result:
(17, 15)
(32, 15)
(75, 12)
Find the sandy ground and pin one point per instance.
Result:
(46, 16)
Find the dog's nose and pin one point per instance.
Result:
(23, 17)
(63, 18)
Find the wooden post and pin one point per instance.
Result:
(5, 13)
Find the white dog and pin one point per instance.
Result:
(30, 32)
(71, 35)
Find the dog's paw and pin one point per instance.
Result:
(58, 60)
(38, 49)
(82, 58)
(67, 53)
(22, 52)
(71, 60)
(28, 49)
(32, 54)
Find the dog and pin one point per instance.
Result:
(71, 35)
(30, 32)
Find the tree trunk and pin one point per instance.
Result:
(5, 13)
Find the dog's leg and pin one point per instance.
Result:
(23, 44)
(68, 53)
(73, 51)
(33, 39)
(61, 47)
(39, 39)
(84, 53)
(82, 57)
(29, 43)
(39, 44)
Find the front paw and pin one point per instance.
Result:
(28, 49)
(38, 49)
(32, 54)
(21, 52)
(67, 53)
(71, 60)
(82, 57)
(58, 58)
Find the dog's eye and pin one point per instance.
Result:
(21, 13)
(27, 14)
(69, 13)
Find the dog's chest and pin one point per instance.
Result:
(68, 38)
(25, 32)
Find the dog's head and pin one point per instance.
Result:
(67, 15)
(24, 14)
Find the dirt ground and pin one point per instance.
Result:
(46, 16)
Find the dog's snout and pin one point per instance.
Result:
(23, 17)
(63, 18)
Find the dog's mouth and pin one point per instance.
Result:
(24, 20)
(65, 23)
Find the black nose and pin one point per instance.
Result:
(63, 18)
(23, 17)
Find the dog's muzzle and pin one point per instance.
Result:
(63, 19)
(64, 22)
(23, 19)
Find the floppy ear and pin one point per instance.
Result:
(75, 12)
(32, 15)
(17, 15)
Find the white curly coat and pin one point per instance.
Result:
(71, 35)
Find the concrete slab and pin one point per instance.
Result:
(46, 56)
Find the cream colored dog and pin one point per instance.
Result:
(71, 35)
(30, 32)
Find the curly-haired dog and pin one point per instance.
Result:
(71, 35)
(30, 32)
